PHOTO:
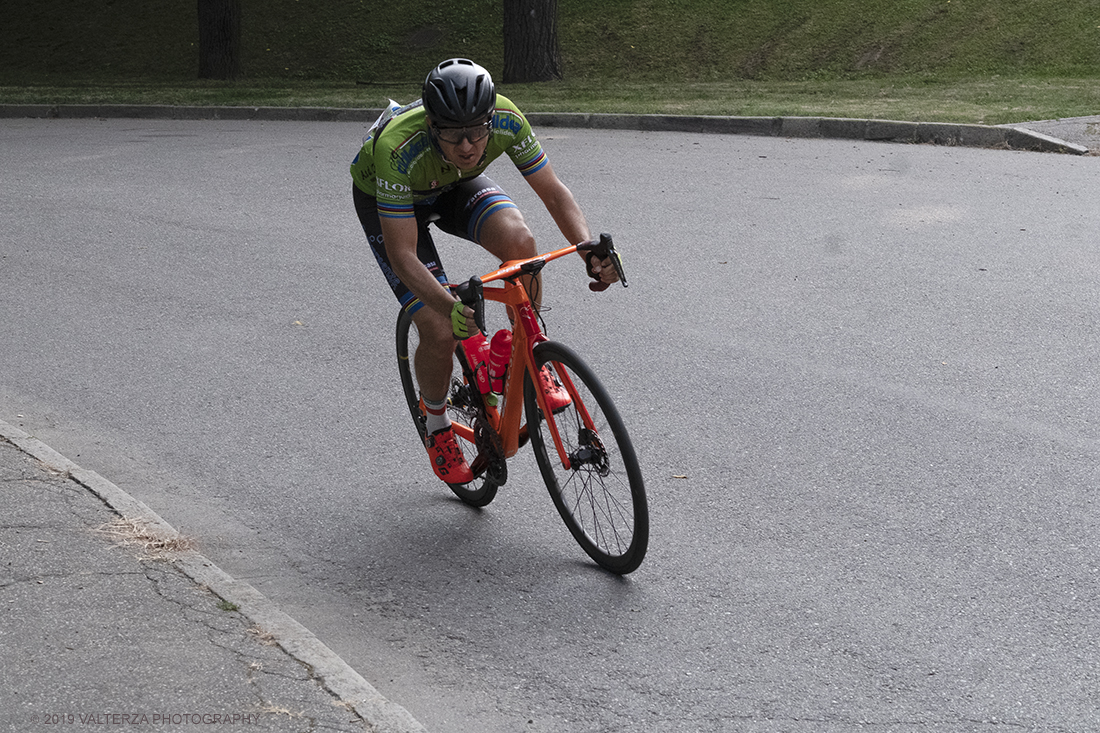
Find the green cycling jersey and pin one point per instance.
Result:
(401, 165)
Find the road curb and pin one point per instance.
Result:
(172, 112)
(332, 672)
(1009, 137)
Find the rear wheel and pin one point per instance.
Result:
(600, 495)
(463, 407)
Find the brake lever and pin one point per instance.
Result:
(605, 249)
(472, 294)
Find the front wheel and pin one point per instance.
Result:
(462, 408)
(600, 494)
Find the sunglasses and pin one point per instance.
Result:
(455, 135)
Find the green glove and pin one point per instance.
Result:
(462, 326)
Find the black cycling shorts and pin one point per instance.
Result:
(460, 211)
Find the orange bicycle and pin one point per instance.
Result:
(580, 443)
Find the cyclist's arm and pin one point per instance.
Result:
(400, 236)
(559, 201)
(567, 214)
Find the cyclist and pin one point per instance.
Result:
(425, 163)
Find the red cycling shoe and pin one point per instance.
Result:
(557, 399)
(447, 460)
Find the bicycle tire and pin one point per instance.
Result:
(601, 497)
(460, 408)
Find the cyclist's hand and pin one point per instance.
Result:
(462, 321)
(601, 270)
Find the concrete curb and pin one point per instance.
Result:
(1009, 137)
(170, 112)
(935, 133)
(333, 673)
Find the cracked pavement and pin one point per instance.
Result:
(95, 631)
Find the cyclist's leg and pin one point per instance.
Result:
(480, 211)
(504, 233)
(434, 357)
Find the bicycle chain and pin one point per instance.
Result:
(489, 444)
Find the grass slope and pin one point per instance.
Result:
(805, 39)
(640, 40)
(960, 60)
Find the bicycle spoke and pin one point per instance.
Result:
(606, 515)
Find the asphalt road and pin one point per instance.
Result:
(862, 379)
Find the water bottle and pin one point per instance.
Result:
(499, 354)
(477, 356)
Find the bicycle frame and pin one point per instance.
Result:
(526, 334)
(583, 450)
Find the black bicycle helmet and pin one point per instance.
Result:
(458, 92)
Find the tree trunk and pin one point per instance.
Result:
(531, 50)
(219, 39)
